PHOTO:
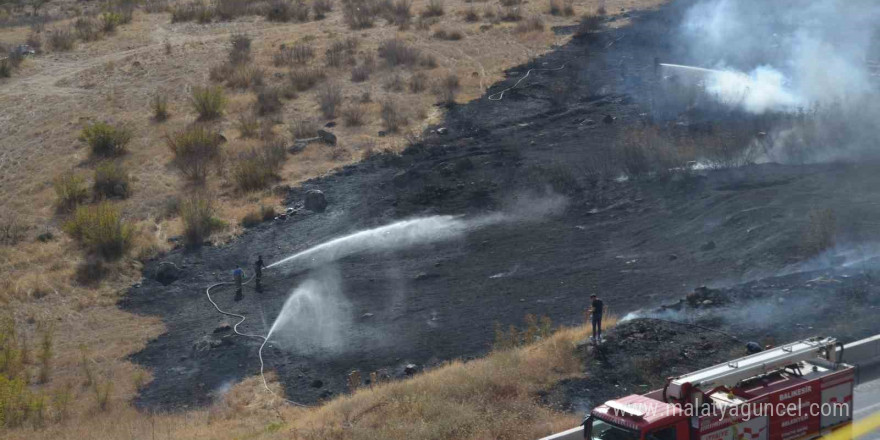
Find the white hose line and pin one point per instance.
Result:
(265, 339)
(500, 95)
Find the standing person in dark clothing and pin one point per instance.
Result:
(597, 307)
(258, 273)
(238, 275)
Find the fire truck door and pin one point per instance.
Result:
(677, 431)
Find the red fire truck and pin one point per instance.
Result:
(796, 391)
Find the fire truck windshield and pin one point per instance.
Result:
(601, 430)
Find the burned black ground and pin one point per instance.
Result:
(637, 243)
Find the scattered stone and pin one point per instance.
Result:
(608, 119)
(367, 315)
(223, 328)
(673, 257)
(382, 133)
(330, 124)
(410, 369)
(315, 201)
(442, 131)
(708, 246)
(317, 383)
(327, 137)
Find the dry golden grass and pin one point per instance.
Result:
(488, 398)
(52, 97)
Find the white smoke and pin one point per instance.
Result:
(796, 53)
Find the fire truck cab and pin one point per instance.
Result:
(797, 391)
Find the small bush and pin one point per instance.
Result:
(418, 82)
(305, 78)
(443, 34)
(208, 102)
(195, 150)
(70, 190)
(396, 52)
(257, 168)
(588, 26)
(394, 83)
(197, 213)
(447, 88)
(286, 10)
(268, 101)
(159, 105)
(240, 49)
(471, 15)
(329, 99)
(61, 40)
(303, 129)
(110, 21)
(360, 14)
(45, 354)
(299, 53)
(392, 116)
(321, 8)
(192, 11)
(105, 140)
(5, 68)
(101, 230)
(534, 24)
(561, 7)
(511, 13)
(257, 216)
(244, 76)
(231, 9)
(428, 61)
(434, 8)
(353, 115)
(248, 125)
(111, 180)
(400, 13)
(360, 73)
(86, 29)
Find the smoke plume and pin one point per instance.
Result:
(817, 59)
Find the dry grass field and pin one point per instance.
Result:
(71, 338)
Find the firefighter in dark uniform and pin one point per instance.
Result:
(238, 275)
(258, 273)
(597, 307)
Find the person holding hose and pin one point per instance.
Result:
(238, 275)
(597, 307)
(258, 273)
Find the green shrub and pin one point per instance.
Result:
(434, 8)
(45, 354)
(268, 101)
(195, 150)
(106, 140)
(111, 180)
(248, 125)
(396, 52)
(393, 117)
(110, 21)
(199, 222)
(257, 216)
(306, 78)
(208, 102)
(329, 99)
(240, 49)
(447, 88)
(70, 190)
(86, 29)
(244, 76)
(5, 68)
(193, 11)
(61, 40)
(257, 168)
(101, 230)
